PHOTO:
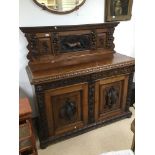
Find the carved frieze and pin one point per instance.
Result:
(97, 72)
(60, 83)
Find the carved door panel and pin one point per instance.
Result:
(66, 108)
(110, 97)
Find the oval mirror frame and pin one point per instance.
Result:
(44, 7)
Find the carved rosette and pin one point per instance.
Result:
(110, 39)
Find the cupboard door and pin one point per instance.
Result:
(67, 108)
(110, 97)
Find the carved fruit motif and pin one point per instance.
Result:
(68, 110)
(111, 97)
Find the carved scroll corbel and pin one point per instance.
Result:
(32, 46)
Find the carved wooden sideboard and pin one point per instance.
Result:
(80, 81)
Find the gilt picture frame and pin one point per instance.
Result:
(118, 10)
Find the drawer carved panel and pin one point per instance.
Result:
(110, 97)
(66, 108)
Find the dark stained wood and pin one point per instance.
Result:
(83, 87)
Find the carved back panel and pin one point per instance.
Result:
(57, 46)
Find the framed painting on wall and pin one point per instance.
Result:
(118, 10)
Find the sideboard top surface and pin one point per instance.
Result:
(117, 61)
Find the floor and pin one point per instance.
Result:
(116, 136)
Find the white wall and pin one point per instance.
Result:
(91, 12)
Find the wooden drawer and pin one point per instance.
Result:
(110, 97)
(66, 108)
